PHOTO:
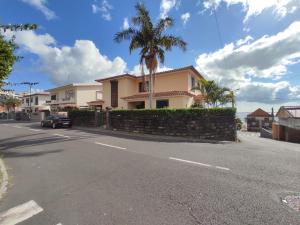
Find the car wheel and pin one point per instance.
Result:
(53, 125)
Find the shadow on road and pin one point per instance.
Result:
(15, 154)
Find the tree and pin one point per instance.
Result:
(7, 48)
(214, 94)
(11, 102)
(151, 40)
(7, 57)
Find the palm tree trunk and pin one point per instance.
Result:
(151, 89)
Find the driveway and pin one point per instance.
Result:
(74, 177)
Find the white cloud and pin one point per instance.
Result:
(41, 6)
(280, 8)
(166, 6)
(82, 62)
(185, 17)
(137, 69)
(125, 23)
(268, 57)
(104, 9)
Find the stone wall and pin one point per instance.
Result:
(212, 124)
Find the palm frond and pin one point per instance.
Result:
(125, 35)
(163, 24)
(168, 42)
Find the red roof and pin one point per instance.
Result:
(293, 111)
(160, 94)
(259, 113)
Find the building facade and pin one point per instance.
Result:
(35, 102)
(173, 89)
(259, 119)
(76, 95)
(287, 128)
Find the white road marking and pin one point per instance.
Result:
(112, 146)
(222, 168)
(59, 224)
(200, 164)
(61, 135)
(16, 126)
(20, 213)
(187, 161)
(34, 129)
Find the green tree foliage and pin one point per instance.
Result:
(214, 95)
(151, 40)
(8, 47)
(11, 103)
(7, 57)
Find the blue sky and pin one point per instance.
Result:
(257, 52)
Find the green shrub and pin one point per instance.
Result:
(177, 112)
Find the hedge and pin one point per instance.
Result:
(177, 112)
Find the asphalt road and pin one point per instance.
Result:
(82, 178)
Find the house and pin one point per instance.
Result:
(76, 95)
(287, 128)
(172, 89)
(258, 119)
(35, 102)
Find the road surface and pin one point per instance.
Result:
(70, 177)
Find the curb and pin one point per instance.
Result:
(4, 179)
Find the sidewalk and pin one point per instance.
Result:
(145, 137)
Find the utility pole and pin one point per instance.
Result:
(30, 84)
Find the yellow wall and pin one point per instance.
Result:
(173, 81)
(86, 94)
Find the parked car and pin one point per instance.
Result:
(56, 121)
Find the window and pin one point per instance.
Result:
(27, 100)
(23, 100)
(193, 82)
(98, 95)
(141, 86)
(114, 93)
(53, 97)
(36, 101)
(162, 103)
(31, 99)
(69, 94)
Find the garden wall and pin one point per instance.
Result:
(212, 124)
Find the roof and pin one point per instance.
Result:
(37, 93)
(159, 94)
(156, 74)
(75, 85)
(259, 113)
(292, 111)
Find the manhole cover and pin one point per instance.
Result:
(293, 201)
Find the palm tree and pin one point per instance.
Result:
(151, 40)
(214, 94)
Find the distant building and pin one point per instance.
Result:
(3, 96)
(37, 102)
(288, 126)
(77, 95)
(258, 119)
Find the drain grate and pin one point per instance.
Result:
(293, 201)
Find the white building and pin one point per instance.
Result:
(76, 95)
(36, 101)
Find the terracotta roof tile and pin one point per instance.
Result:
(259, 113)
